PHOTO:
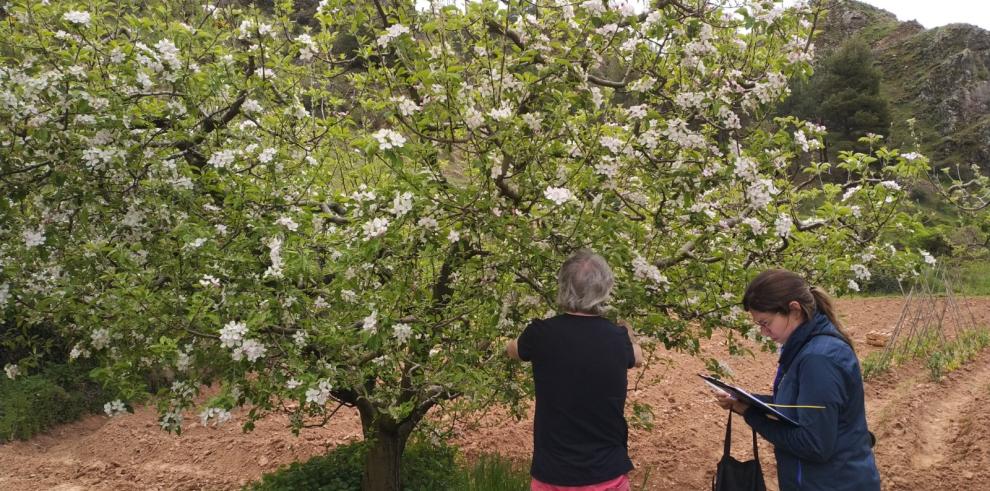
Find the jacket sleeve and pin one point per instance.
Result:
(820, 386)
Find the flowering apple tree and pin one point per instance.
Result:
(360, 214)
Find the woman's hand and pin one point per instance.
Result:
(727, 402)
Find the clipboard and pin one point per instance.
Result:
(742, 395)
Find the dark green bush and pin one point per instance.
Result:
(425, 467)
(32, 404)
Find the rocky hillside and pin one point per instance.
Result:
(940, 77)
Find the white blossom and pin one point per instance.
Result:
(251, 349)
(594, 7)
(264, 72)
(642, 269)
(320, 394)
(34, 238)
(251, 106)
(288, 223)
(912, 155)
(503, 112)
(299, 338)
(402, 204)
(232, 334)
(473, 119)
(4, 294)
(406, 106)
(196, 243)
(183, 361)
(534, 121)
(558, 195)
(100, 338)
(375, 228)
(755, 225)
(78, 351)
(453, 236)
(389, 139)
(745, 168)
(638, 111)
(402, 332)
(607, 169)
(852, 285)
(394, 31)
(12, 370)
(275, 254)
(292, 384)
(861, 271)
(729, 118)
(309, 47)
(77, 17)
(428, 223)
(761, 192)
(209, 281)
(168, 53)
(222, 158)
(218, 414)
(370, 323)
(927, 257)
(114, 408)
(783, 225)
(267, 155)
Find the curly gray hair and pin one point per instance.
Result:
(584, 283)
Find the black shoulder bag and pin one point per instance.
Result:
(733, 475)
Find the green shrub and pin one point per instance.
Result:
(957, 352)
(34, 403)
(29, 405)
(425, 467)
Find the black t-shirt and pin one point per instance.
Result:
(580, 435)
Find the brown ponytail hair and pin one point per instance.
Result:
(774, 289)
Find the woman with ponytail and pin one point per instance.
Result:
(818, 384)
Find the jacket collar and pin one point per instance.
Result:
(818, 324)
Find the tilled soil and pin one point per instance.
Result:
(931, 436)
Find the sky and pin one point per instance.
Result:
(934, 13)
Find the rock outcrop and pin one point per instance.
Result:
(938, 77)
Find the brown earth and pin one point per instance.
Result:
(931, 436)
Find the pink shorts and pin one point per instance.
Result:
(620, 483)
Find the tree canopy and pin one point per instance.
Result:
(362, 213)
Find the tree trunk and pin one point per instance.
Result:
(386, 439)
(381, 466)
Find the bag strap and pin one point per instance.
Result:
(727, 449)
(728, 437)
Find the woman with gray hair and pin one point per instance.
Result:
(580, 359)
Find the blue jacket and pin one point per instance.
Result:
(830, 450)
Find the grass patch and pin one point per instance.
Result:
(34, 403)
(493, 473)
(974, 278)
